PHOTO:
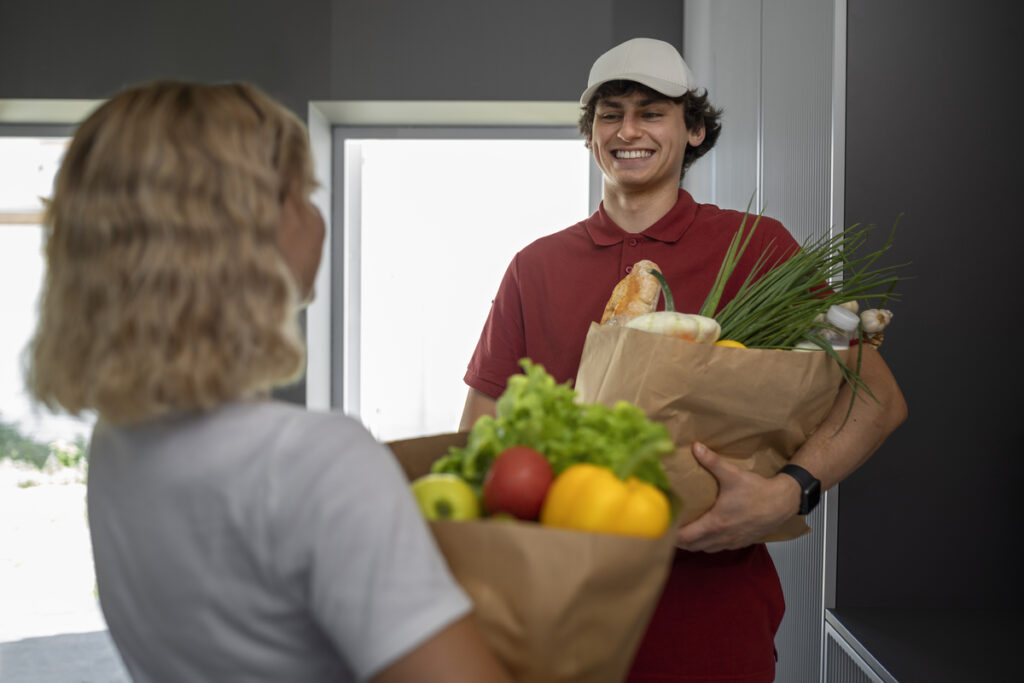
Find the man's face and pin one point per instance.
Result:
(638, 141)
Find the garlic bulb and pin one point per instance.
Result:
(875, 320)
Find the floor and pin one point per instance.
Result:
(66, 658)
(51, 626)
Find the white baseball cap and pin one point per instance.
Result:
(654, 63)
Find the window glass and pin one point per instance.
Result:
(438, 222)
(46, 573)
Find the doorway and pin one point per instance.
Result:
(429, 219)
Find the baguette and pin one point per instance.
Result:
(634, 295)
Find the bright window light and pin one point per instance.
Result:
(27, 169)
(438, 223)
(46, 570)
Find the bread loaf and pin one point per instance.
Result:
(634, 295)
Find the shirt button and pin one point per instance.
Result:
(629, 269)
(633, 242)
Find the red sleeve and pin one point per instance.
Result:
(771, 241)
(776, 244)
(502, 341)
(779, 244)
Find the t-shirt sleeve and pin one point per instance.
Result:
(351, 541)
(502, 342)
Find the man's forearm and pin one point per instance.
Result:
(477, 404)
(831, 456)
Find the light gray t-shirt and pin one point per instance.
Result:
(261, 542)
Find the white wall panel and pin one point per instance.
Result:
(722, 45)
(796, 88)
(770, 65)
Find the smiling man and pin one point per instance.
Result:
(646, 122)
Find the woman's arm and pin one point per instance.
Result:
(458, 654)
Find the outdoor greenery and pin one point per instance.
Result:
(18, 447)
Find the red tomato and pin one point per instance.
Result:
(517, 483)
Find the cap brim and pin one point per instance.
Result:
(666, 88)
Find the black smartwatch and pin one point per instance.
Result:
(810, 488)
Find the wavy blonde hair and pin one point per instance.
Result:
(165, 290)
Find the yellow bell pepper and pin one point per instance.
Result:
(591, 498)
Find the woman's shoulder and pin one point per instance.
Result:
(306, 452)
(291, 425)
(282, 413)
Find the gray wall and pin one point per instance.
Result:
(933, 125)
(486, 50)
(304, 50)
(88, 50)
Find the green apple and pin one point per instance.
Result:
(445, 496)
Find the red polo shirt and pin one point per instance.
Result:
(717, 617)
(559, 284)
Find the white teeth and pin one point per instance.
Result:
(632, 153)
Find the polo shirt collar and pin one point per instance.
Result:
(604, 232)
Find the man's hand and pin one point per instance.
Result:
(748, 507)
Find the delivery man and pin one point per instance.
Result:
(645, 123)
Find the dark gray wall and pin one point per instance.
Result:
(304, 50)
(89, 50)
(933, 125)
(487, 50)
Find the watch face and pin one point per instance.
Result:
(810, 488)
(811, 496)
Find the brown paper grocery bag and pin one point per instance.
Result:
(554, 605)
(755, 407)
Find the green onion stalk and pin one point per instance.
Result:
(787, 304)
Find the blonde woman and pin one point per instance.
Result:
(235, 537)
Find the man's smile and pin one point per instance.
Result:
(632, 153)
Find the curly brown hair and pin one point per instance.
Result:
(697, 113)
(165, 289)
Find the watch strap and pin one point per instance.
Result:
(810, 487)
